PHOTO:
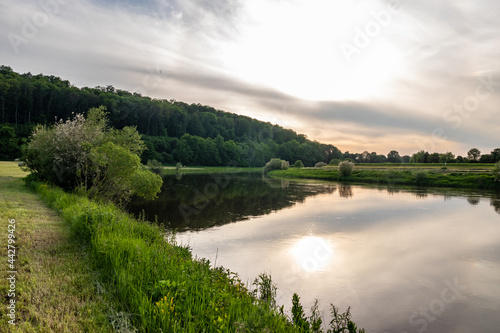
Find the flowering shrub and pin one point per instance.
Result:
(83, 153)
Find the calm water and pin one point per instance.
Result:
(405, 261)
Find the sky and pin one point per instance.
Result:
(373, 75)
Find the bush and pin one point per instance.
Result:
(346, 168)
(496, 171)
(334, 161)
(420, 177)
(275, 164)
(298, 164)
(86, 155)
(320, 165)
(155, 167)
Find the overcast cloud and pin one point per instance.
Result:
(362, 75)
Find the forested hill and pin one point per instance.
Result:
(174, 131)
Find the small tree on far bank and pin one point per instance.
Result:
(275, 164)
(298, 164)
(346, 168)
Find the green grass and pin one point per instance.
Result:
(454, 175)
(56, 288)
(93, 268)
(208, 170)
(159, 285)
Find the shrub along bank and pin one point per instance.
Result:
(160, 285)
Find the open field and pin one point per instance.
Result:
(453, 175)
(55, 287)
(169, 170)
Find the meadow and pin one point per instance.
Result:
(452, 175)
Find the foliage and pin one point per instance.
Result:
(167, 290)
(420, 177)
(298, 164)
(320, 164)
(173, 131)
(275, 164)
(335, 161)
(341, 322)
(265, 290)
(83, 153)
(496, 171)
(346, 168)
(394, 157)
(298, 315)
(155, 167)
(474, 154)
(8, 142)
(315, 318)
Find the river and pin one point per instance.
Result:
(404, 260)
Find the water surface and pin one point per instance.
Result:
(405, 261)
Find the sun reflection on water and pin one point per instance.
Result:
(311, 253)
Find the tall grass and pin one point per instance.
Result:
(158, 283)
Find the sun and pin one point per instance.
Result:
(299, 54)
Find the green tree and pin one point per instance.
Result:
(8, 142)
(393, 157)
(474, 154)
(84, 154)
(346, 168)
(298, 164)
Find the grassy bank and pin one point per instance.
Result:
(55, 286)
(159, 285)
(172, 170)
(467, 176)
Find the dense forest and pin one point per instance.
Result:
(174, 131)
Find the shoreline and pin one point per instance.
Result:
(478, 177)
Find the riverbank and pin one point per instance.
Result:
(157, 283)
(172, 170)
(476, 176)
(54, 288)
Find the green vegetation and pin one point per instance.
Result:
(464, 175)
(173, 131)
(158, 281)
(496, 172)
(345, 168)
(320, 164)
(56, 288)
(85, 154)
(298, 164)
(275, 164)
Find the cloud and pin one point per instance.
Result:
(280, 61)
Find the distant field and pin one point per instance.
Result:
(453, 175)
(171, 170)
(436, 167)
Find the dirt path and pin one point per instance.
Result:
(51, 281)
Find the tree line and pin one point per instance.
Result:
(174, 131)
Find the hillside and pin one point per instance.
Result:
(173, 131)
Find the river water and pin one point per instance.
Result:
(404, 260)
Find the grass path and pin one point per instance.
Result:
(55, 288)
